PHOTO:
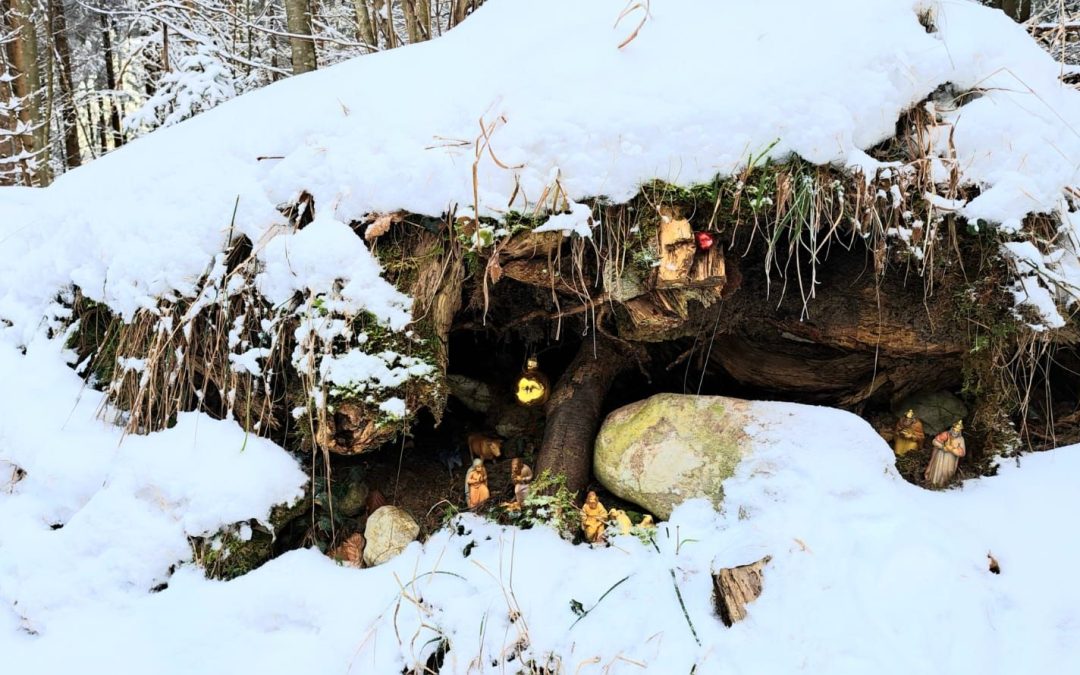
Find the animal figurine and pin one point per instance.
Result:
(476, 488)
(909, 434)
(647, 522)
(484, 446)
(450, 457)
(622, 521)
(521, 475)
(949, 447)
(593, 518)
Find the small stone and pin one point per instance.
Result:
(389, 530)
(354, 499)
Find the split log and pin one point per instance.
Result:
(677, 249)
(736, 587)
(573, 411)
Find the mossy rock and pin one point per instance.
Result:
(668, 448)
(233, 552)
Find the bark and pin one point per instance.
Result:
(573, 411)
(117, 133)
(412, 25)
(298, 17)
(68, 113)
(365, 32)
(736, 587)
(22, 52)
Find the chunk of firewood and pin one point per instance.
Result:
(736, 587)
(677, 249)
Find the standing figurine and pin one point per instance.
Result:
(909, 434)
(476, 488)
(949, 447)
(593, 518)
(532, 386)
(521, 475)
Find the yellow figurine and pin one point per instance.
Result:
(949, 447)
(622, 521)
(521, 475)
(593, 518)
(476, 488)
(909, 434)
(646, 522)
(532, 386)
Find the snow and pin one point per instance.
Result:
(701, 87)
(868, 573)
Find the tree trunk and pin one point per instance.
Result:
(364, 30)
(573, 411)
(298, 16)
(68, 113)
(110, 82)
(412, 24)
(26, 87)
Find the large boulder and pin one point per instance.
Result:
(938, 410)
(389, 530)
(661, 451)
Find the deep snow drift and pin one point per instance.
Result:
(869, 574)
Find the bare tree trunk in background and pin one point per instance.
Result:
(412, 24)
(458, 13)
(298, 18)
(1019, 10)
(68, 113)
(22, 52)
(364, 30)
(110, 83)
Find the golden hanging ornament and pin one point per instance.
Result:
(532, 387)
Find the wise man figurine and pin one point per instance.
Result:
(949, 447)
(521, 475)
(476, 488)
(909, 434)
(593, 518)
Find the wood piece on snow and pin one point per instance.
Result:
(736, 587)
(677, 249)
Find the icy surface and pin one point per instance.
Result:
(561, 110)
(868, 572)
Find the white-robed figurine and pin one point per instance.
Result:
(949, 447)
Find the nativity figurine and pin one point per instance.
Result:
(593, 518)
(476, 487)
(521, 475)
(621, 521)
(909, 434)
(949, 447)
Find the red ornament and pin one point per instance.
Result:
(704, 240)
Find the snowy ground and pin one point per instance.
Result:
(869, 574)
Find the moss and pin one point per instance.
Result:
(226, 555)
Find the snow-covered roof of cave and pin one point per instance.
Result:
(702, 86)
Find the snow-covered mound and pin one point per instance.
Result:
(869, 574)
(525, 94)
